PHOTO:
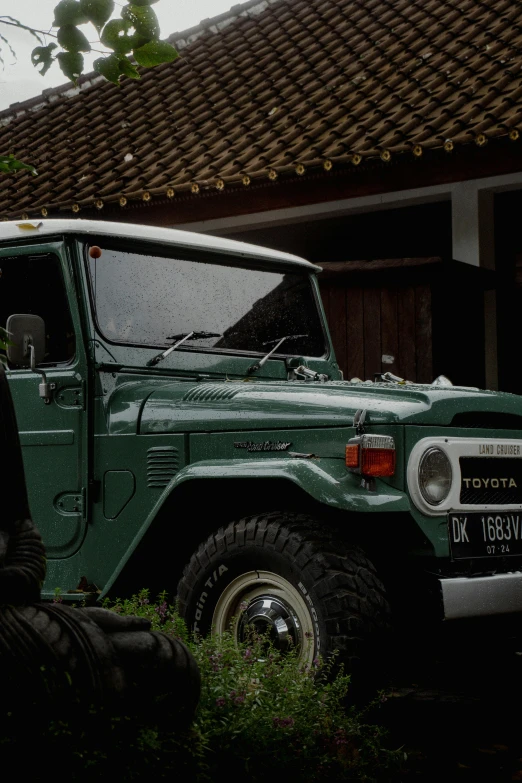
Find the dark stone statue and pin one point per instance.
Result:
(55, 658)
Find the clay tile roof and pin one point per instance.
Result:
(274, 87)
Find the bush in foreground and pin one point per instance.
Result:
(261, 715)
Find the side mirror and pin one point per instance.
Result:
(25, 330)
(27, 333)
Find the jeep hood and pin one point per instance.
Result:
(183, 406)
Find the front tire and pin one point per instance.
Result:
(286, 574)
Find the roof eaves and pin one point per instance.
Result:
(198, 187)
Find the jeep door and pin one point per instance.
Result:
(39, 280)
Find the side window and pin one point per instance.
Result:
(34, 284)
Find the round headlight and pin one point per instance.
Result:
(435, 476)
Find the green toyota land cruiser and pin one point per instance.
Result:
(185, 426)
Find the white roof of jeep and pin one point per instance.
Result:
(22, 229)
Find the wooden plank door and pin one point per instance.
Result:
(378, 329)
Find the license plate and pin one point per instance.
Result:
(485, 535)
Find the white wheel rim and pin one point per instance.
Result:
(269, 602)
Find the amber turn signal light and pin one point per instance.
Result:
(371, 455)
(352, 455)
(378, 462)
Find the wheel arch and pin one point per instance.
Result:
(168, 539)
(187, 514)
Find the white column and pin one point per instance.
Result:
(473, 225)
(474, 243)
(490, 339)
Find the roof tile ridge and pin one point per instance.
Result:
(218, 23)
(47, 97)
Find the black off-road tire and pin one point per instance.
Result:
(345, 600)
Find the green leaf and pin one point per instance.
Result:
(97, 11)
(143, 2)
(4, 339)
(72, 39)
(114, 66)
(42, 57)
(71, 64)
(143, 19)
(128, 69)
(155, 53)
(69, 12)
(115, 36)
(109, 67)
(9, 164)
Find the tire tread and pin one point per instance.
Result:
(352, 597)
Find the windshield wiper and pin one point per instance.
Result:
(180, 339)
(279, 341)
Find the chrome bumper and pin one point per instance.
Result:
(481, 595)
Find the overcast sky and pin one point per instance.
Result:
(19, 80)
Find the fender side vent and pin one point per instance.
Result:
(162, 465)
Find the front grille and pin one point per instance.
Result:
(494, 481)
(487, 421)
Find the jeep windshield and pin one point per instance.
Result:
(144, 299)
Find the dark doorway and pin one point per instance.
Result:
(423, 230)
(508, 251)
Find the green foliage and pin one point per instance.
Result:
(69, 12)
(154, 51)
(97, 11)
(262, 716)
(9, 164)
(162, 615)
(4, 342)
(116, 35)
(111, 68)
(71, 64)
(136, 32)
(144, 19)
(72, 39)
(128, 69)
(42, 57)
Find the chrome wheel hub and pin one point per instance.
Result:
(271, 615)
(266, 603)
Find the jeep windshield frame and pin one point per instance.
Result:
(141, 296)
